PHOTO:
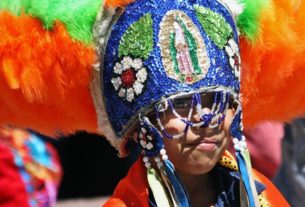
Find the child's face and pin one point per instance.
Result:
(198, 151)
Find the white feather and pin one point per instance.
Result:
(234, 6)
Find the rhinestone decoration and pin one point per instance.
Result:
(240, 145)
(145, 143)
(129, 78)
(150, 140)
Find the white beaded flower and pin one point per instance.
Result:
(129, 78)
(145, 140)
(232, 51)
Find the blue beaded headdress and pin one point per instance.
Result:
(142, 64)
(154, 52)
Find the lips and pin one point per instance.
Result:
(205, 144)
(210, 140)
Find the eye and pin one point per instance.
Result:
(207, 100)
(182, 103)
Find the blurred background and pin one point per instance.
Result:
(91, 169)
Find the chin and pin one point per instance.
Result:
(197, 166)
(202, 163)
(201, 168)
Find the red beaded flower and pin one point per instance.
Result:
(129, 78)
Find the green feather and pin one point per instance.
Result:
(248, 20)
(77, 15)
(14, 6)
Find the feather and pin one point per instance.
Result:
(273, 65)
(248, 21)
(117, 3)
(44, 77)
(78, 16)
(234, 6)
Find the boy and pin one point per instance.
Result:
(153, 54)
(170, 77)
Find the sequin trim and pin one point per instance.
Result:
(214, 25)
(137, 41)
(234, 57)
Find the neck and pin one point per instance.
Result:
(202, 189)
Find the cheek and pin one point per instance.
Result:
(172, 147)
(174, 126)
(227, 122)
(173, 150)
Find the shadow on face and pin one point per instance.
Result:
(199, 150)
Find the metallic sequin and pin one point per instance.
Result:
(122, 113)
(138, 39)
(183, 50)
(215, 25)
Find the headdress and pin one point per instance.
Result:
(48, 48)
(155, 53)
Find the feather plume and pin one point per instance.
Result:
(273, 65)
(78, 16)
(44, 77)
(117, 3)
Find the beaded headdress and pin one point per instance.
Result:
(155, 53)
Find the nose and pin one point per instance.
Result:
(198, 114)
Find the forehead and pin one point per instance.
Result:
(147, 30)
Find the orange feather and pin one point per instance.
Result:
(273, 83)
(44, 77)
(117, 3)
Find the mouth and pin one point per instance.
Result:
(205, 144)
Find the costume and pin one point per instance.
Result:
(147, 56)
(127, 195)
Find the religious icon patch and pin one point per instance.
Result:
(183, 51)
